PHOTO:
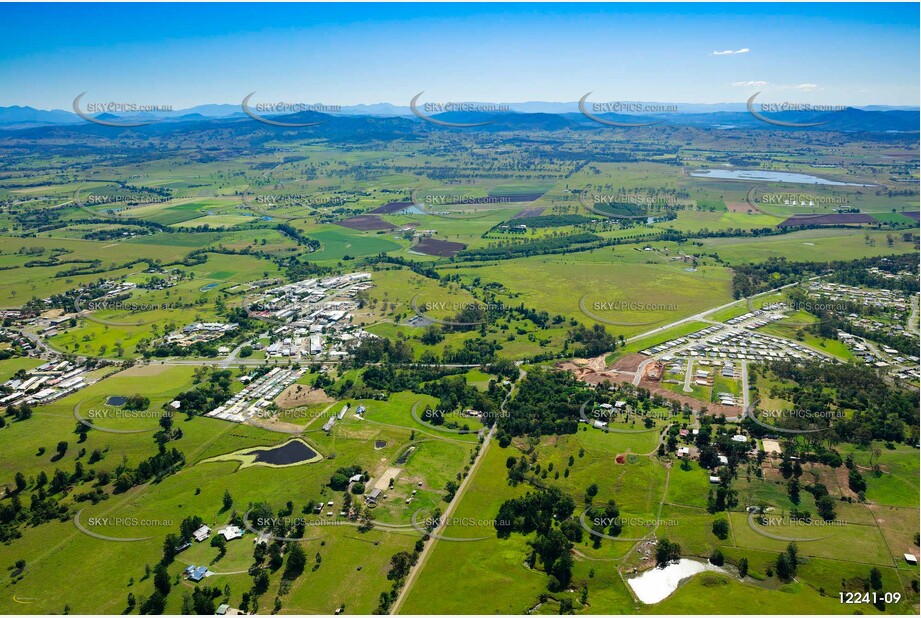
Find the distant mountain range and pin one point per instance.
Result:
(531, 114)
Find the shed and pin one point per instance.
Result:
(202, 533)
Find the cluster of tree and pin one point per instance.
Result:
(20, 413)
(380, 350)
(724, 497)
(474, 351)
(156, 466)
(390, 379)
(561, 244)
(667, 552)
(136, 402)
(299, 237)
(202, 600)
(424, 269)
(547, 402)
(753, 278)
(787, 563)
(108, 233)
(42, 508)
(454, 393)
(504, 368)
(205, 397)
(605, 520)
(340, 478)
(590, 341)
(858, 273)
(881, 411)
(547, 513)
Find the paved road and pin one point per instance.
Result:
(913, 318)
(687, 376)
(744, 387)
(703, 314)
(452, 506)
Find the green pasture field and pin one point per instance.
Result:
(391, 308)
(708, 590)
(644, 295)
(338, 242)
(156, 509)
(688, 487)
(10, 366)
(808, 245)
(866, 542)
(478, 568)
(896, 485)
(637, 487)
(160, 310)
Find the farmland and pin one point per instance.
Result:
(384, 366)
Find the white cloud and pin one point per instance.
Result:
(750, 84)
(807, 87)
(728, 52)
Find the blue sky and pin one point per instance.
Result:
(185, 55)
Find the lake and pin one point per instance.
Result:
(656, 584)
(291, 452)
(770, 176)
